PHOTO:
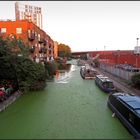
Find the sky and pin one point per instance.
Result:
(87, 25)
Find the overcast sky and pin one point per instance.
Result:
(87, 25)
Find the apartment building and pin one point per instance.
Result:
(28, 12)
(41, 45)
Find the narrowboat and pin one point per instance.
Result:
(88, 72)
(105, 84)
(127, 108)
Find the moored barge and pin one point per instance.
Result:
(87, 72)
(127, 108)
(105, 84)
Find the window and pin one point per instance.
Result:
(38, 36)
(3, 30)
(39, 46)
(18, 30)
(29, 31)
(35, 34)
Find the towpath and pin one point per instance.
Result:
(120, 84)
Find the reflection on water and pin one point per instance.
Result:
(64, 76)
(73, 68)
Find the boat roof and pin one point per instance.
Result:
(88, 67)
(99, 75)
(82, 66)
(132, 101)
(104, 78)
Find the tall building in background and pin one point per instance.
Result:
(31, 13)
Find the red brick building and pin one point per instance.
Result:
(41, 45)
(118, 57)
(114, 57)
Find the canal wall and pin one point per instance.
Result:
(10, 100)
(123, 74)
(120, 84)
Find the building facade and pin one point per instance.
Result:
(55, 49)
(28, 12)
(41, 46)
(114, 57)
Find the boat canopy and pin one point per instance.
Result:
(132, 101)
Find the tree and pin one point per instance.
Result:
(4, 49)
(17, 46)
(50, 69)
(30, 75)
(64, 50)
(136, 80)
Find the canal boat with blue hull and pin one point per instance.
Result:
(105, 84)
(127, 108)
(87, 72)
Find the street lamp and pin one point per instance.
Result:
(137, 51)
(104, 54)
(137, 41)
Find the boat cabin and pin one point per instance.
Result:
(105, 83)
(88, 72)
(127, 108)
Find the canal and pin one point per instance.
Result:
(69, 108)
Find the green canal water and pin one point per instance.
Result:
(69, 108)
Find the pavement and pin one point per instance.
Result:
(120, 84)
(10, 100)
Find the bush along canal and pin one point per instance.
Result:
(69, 108)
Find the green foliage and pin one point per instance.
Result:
(23, 48)
(18, 45)
(7, 70)
(50, 68)
(4, 50)
(64, 50)
(30, 75)
(136, 80)
(61, 54)
(61, 66)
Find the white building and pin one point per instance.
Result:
(31, 13)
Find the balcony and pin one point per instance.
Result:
(31, 36)
(43, 50)
(40, 40)
(32, 49)
(50, 49)
(45, 43)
